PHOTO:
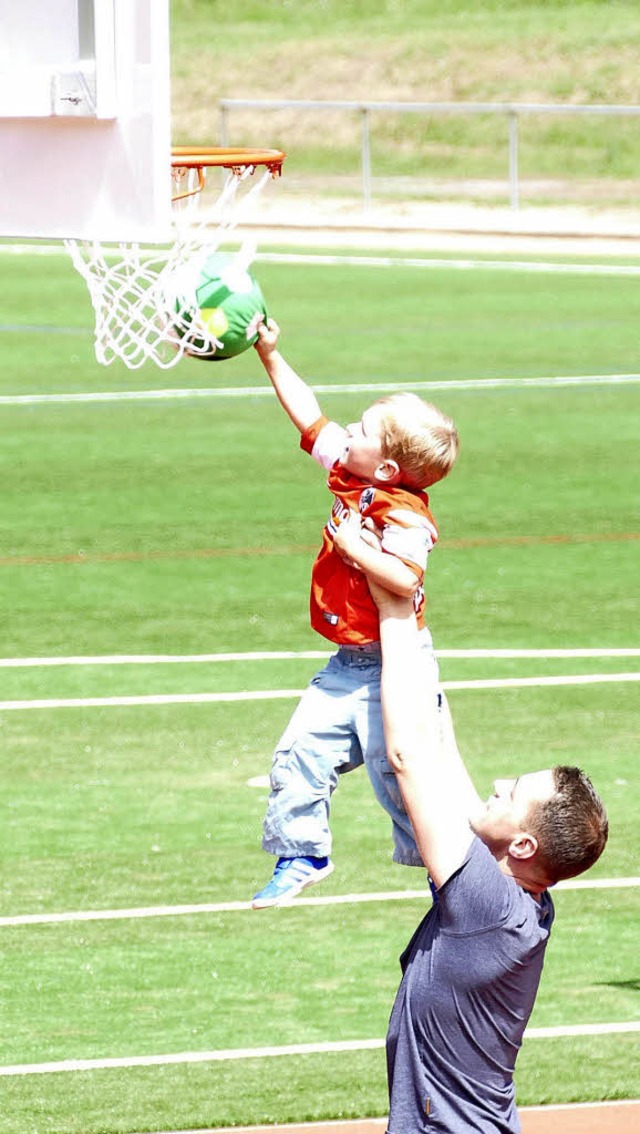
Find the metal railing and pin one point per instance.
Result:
(512, 112)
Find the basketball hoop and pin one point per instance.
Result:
(144, 299)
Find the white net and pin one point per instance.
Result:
(144, 299)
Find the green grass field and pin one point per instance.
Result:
(187, 526)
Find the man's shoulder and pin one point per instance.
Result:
(479, 896)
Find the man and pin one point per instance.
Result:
(472, 968)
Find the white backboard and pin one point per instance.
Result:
(85, 129)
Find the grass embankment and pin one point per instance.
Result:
(457, 51)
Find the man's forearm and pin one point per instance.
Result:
(421, 742)
(436, 789)
(385, 569)
(410, 730)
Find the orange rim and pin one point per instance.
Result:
(236, 159)
(225, 157)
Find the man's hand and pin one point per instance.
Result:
(389, 604)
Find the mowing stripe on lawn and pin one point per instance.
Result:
(287, 1049)
(284, 694)
(157, 555)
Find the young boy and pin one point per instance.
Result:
(378, 467)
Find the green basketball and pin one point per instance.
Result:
(228, 302)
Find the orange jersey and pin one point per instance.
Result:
(342, 609)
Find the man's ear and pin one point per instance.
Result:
(523, 846)
(388, 471)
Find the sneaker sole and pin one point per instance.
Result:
(293, 891)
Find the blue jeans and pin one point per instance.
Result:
(336, 727)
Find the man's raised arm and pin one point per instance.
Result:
(436, 788)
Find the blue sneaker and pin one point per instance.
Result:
(290, 877)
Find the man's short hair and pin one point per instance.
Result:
(419, 437)
(571, 827)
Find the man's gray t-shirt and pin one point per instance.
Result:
(471, 974)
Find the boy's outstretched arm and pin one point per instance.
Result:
(293, 393)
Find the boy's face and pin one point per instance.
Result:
(362, 453)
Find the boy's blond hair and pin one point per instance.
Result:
(419, 437)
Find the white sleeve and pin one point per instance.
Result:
(329, 444)
(410, 537)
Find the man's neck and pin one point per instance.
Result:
(528, 880)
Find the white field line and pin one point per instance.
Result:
(350, 388)
(536, 266)
(577, 1030)
(285, 694)
(349, 259)
(522, 682)
(141, 912)
(189, 659)
(295, 655)
(150, 699)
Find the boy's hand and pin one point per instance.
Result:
(348, 536)
(268, 335)
(359, 546)
(354, 530)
